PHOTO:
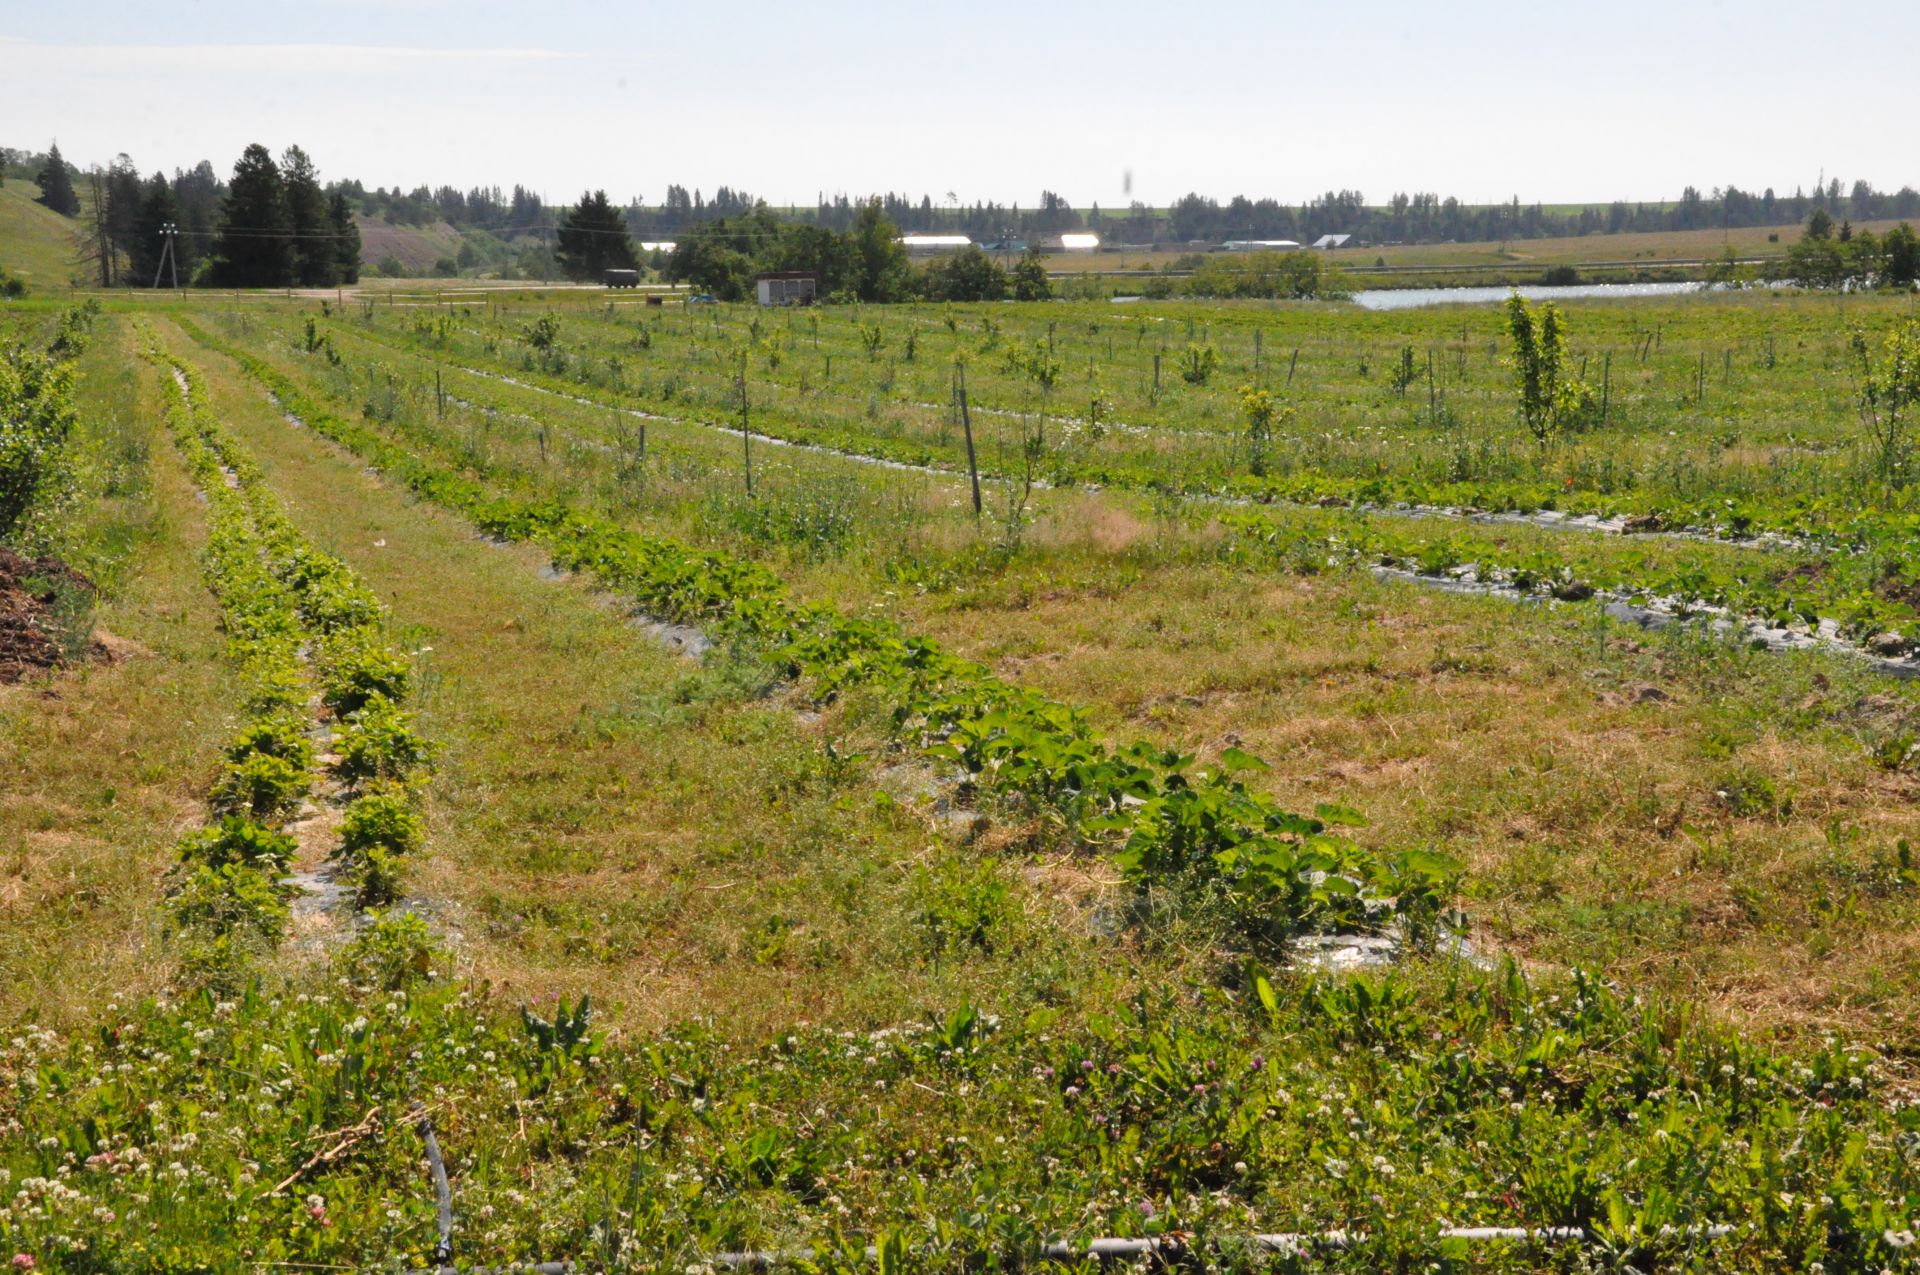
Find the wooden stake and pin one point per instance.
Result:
(966, 424)
(746, 433)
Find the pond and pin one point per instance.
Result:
(1412, 298)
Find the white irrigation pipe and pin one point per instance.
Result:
(1285, 1243)
(1115, 1249)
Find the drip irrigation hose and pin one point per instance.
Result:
(1284, 1243)
(442, 1193)
(1105, 1249)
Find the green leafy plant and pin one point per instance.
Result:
(1197, 364)
(1889, 391)
(1551, 400)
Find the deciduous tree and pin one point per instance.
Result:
(1030, 282)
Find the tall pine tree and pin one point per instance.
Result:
(593, 238)
(346, 239)
(313, 247)
(251, 248)
(122, 210)
(56, 184)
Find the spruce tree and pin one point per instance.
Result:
(157, 208)
(251, 248)
(346, 239)
(123, 204)
(592, 238)
(313, 248)
(56, 184)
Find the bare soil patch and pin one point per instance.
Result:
(43, 604)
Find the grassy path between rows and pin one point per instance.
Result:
(607, 815)
(106, 764)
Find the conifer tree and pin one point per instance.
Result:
(346, 239)
(313, 247)
(251, 249)
(56, 184)
(593, 238)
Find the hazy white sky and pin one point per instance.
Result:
(1482, 99)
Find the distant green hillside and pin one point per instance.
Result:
(36, 243)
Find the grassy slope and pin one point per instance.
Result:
(417, 247)
(34, 241)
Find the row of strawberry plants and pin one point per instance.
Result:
(1864, 593)
(1173, 825)
(1865, 600)
(301, 626)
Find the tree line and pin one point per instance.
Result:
(287, 200)
(1834, 255)
(1420, 217)
(271, 224)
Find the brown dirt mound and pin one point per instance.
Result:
(38, 600)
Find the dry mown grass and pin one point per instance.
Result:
(610, 817)
(105, 765)
(1679, 813)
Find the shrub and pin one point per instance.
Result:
(383, 817)
(1197, 363)
(374, 875)
(379, 743)
(1272, 275)
(278, 735)
(36, 416)
(1029, 279)
(542, 334)
(1551, 400)
(75, 331)
(394, 952)
(232, 898)
(962, 907)
(1889, 393)
(237, 841)
(354, 670)
(260, 785)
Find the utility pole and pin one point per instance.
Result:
(168, 257)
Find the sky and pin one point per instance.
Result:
(1102, 103)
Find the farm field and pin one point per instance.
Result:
(1293, 814)
(1609, 254)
